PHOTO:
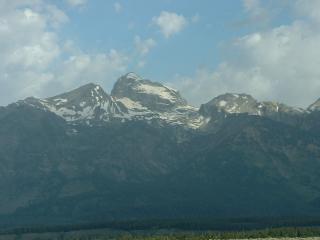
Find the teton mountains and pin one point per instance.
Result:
(144, 152)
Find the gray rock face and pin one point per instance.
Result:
(152, 95)
(315, 106)
(132, 98)
(145, 100)
(231, 103)
(86, 103)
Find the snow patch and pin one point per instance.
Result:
(160, 91)
(131, 104)
(222, 103)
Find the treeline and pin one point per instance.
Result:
(300, 232)
(290, 232)
(222, 228)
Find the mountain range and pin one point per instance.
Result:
(142, 152)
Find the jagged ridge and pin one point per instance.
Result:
(136, 98)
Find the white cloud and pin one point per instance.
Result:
(144, 46)
(207, 84)
(170, 23)
(117, 7)
(257, 14)
(27, 47)
(281, 63)
(102, 68)
(56, 16)
(32, 59)
(76, 3)
(308, 8)
(37, 56)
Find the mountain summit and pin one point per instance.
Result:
(86, 103)
(232, 103)
(152, 95)
(235, 103)
(132, 98)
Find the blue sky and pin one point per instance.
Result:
(99, 27)
(266, 48)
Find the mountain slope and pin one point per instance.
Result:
(132, 98)
(86, 156)
(149, 100)
(229, 104)
(87, 103)
(151, 95)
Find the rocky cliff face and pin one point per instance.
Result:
(85, 104)
(151, 95)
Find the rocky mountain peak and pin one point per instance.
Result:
(232, 103)
(151, 95)
(137, 98)
(86, 103)
(87, 95)
(132, 76)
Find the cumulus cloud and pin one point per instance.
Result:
(35, 61)
(56, 16)
(27, 47)
(82, 68)
(281, 63)
(259, 14)
(308, 8)
(170, 23)
(144, 46)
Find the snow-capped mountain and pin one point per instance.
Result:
(136, 98)
(87, 154)
(132, 98)
(151, 95)
(87, 103)
(144, 99)
(232, 103)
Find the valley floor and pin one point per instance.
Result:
(59, 236)
(310, 233)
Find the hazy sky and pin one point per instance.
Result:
(269, 49)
